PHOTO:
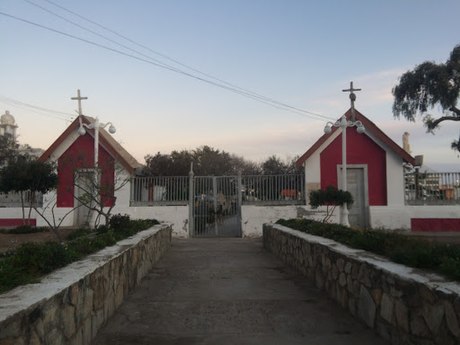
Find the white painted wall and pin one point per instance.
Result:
(395, 180)
(253, 217)
(398, 217)
(312, 166)
(176, 215)
(386, 217)
(389, 217)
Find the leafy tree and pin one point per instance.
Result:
(427, 86)
(8, 149)
(177, 163)
(31, 176)
(180, 162)
(206, 161)
(159, 165)
(273, 165)
(244, 166)
(211, 162)
(331, 197)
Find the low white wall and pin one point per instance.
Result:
(175, 215)
(16, 212)
(253, 217)
(389, 217)
(399, 217)
(178, 216)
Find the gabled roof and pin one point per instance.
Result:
(105, 139)
(371, 128)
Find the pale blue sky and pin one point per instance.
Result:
(302, 53)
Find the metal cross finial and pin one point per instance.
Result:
(79, 99)
(352, 98)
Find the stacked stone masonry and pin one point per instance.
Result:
(403, 305)
(70, 305)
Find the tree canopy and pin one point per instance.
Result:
(8, 149)
(427, 86)
(331, 197)
(27, 175)
(208, 161)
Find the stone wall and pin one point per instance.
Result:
(70, 305)
(402, 305)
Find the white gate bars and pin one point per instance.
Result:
(216, 209)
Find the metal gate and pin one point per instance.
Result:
(216, 209)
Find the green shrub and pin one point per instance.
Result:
(32, 260)
(119, 222)
(40, 257)
(78, 233)
(12, 276)
(24, 229)
(441, 258)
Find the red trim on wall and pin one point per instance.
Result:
(80, 155)
(14, 222)
(435, 224)
(360, 150)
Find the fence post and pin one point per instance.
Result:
(131, 191)
(191, 202)
(417, 187)
(305, 187)
(240, 202)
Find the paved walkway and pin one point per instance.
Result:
(229, 291)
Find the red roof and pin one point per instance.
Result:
(370, 128)
(105, 139)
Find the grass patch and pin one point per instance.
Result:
(440, 258)
(30, 261)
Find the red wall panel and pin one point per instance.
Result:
(14, 222)
(435, 224)
(80, 155)
(360, 150)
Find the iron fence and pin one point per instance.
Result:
(273, 189)
(423, 188)
(255, 189)
(13, 199)
(159, 190)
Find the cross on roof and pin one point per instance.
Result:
(352, 94)
(79, 99)
(352, 98)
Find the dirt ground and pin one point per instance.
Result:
(11, 241)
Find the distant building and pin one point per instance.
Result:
(30, 151)
(8, 126)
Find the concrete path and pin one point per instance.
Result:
(229, 291)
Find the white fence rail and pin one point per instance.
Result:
(273, 189)
(13, 199)
(159, 190)
(255, 189)
(432, 188)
